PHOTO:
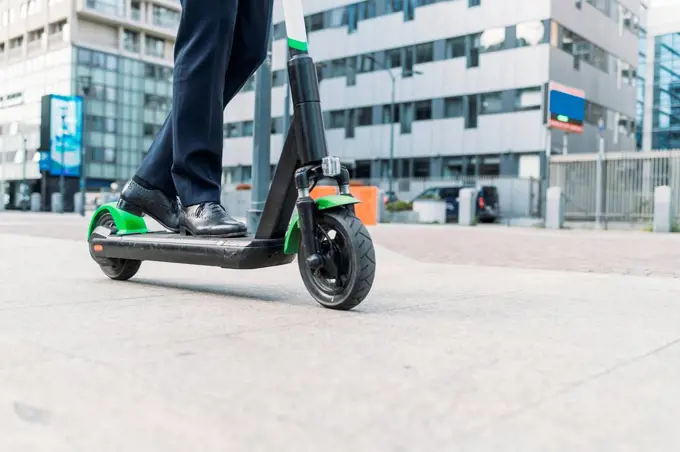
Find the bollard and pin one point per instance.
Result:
(430, 211)
(77, 202)
(57, 205)
(554, 212)
(663, 217)
(36, 202)
(467, 203)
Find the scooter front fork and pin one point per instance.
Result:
(306, 206)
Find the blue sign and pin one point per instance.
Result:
(567, 107)
(566, 104)
(44, 163)
(66, 135)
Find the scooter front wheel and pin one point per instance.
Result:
(349, 261)
(116, 269)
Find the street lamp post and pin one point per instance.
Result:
(393, 107)
(26, 197)
(14, 131)
(62, 178)
(85, 87)
(2, 178)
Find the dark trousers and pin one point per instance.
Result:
(219, 46)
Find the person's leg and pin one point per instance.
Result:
(251, 38)
(154, 172)
(202, 51)
(204, 214)
(249, 50)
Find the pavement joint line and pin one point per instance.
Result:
(75, 303)
(572, 387)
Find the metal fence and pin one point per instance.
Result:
(629, 180)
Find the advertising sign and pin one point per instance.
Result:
(566, 108)
(62, 134)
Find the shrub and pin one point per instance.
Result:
(399, 206)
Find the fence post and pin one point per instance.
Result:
(599, 178)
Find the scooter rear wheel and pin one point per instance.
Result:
(116, 269)
(348, 251)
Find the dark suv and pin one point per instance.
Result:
(487, 201)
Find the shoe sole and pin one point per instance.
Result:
(134, 209)
(232, 235)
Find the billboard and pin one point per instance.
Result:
(61, 135)
(566, 108)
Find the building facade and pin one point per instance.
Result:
(469, 77)
(116, 54)
(661, 124)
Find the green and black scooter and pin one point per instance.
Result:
(335, 251)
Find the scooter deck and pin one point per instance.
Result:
(237, 253)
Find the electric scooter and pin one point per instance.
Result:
(335, 253)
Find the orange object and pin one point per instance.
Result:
(366, 210)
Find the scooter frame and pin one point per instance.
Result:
(303, 162)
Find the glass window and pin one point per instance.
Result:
(472, 111)
(423, 110)
(530, 33)
(424, 53)
(455, 47)
(492, 39)
(365, 116)
(474, 46)
(337, 119)
(491, 103)
(338, 67)
(154, 46)
(406, 117)
(528, 98)
(350, 124)
(453, 107)
(131, 41)
(394, 58)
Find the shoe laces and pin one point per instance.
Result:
(210, 208)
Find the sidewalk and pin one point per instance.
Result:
(439, 357)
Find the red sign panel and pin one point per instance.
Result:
(567, 127)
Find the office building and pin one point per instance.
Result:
(469, 77)
(116, 54)
(661, 97)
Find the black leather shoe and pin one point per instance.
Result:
(209, 218)
(138, 200)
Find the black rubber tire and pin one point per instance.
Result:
(116, 269)
(362, 261)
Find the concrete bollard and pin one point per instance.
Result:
(554, 212)
(430, 211)
(663, 216)
(77, 202)
(36, 202)
(467, 203)
(57, 205)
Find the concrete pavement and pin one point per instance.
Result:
(440, 357)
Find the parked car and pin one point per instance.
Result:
(487, 201)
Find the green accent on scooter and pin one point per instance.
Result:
(292, 243)
(126, 223)
(298, 45)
